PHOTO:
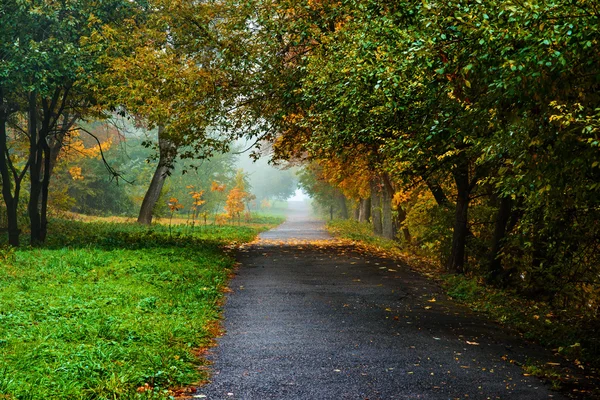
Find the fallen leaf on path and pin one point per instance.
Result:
(473, 343)
(432, 300)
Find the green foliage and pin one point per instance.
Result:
(463, 289)
(429, 225)
(492, 100)
(121, 307)
(571, 332)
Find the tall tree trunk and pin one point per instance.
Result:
(376, 206)
(11, 201)
(387, 194)
(456, 262)
(166, 155)
(44, 192)
(35, 169)
(342, 204)
(364, 214)
(50, 149)
(356, 211)
(502, 219)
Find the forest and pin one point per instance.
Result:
(468, 132)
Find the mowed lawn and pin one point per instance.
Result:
(112, 311)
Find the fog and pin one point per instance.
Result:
(81, 183)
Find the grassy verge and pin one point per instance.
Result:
(110, 310)
(569, 333)
(362, 235)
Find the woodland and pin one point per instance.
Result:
(468, 132)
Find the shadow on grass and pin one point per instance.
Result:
(114, 236)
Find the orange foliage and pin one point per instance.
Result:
(401, 197)
(196, 196)
(174, 204)
(351, 177)
(221, 219)
(235, 202)
(75, 148)
(216, 187)
(76, 173)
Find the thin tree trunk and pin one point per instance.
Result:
(356, 211)
(437, 192)
(502, 219)
(376, 207)
(35, 162)
(44, 192)
(456, 262)
(342, 204)
(167, 152)
(387, 194)
(11, 201)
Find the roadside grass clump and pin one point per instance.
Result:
(111, 311)
(545, 372)
(353, 230)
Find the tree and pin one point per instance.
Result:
(170, 81)
(57, 47)
(234, 205)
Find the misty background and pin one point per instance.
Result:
(82, 184)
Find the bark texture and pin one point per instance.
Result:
(387, 193)
(341, 200)
(364, 211)
(456, 262)
(376, 206)
(167, 153)
(10, 195)
(35, 170)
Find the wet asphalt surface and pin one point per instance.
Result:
(310, 318)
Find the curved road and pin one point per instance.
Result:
(309, 318)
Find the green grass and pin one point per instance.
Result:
(105, 310)
(362, 232)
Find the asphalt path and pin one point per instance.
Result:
(310, 318)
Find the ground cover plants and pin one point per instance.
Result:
(112, 310)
